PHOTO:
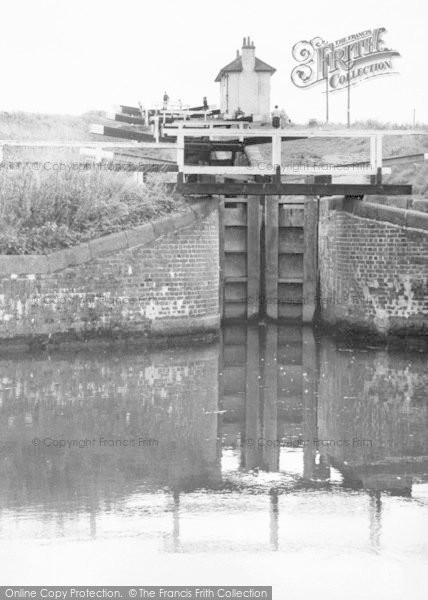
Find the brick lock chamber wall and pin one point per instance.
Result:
(373, 267)
(159, 278)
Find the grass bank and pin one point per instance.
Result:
(45, 211)
(27, 126)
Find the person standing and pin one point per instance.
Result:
(165, 101)
(205, 102)
(276, 117)
(239, 113)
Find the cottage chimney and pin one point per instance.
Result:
(248, 55)
(237, 54)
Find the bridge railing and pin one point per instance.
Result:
(275, 161)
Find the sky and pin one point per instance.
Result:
(72, 56)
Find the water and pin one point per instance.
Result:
(268, 458)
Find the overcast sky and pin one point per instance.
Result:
(69, 57)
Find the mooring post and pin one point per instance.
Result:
(310, 238)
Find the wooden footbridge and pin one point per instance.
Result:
(268, 206)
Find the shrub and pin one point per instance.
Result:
(42, 212)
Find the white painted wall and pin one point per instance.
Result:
(248, 90)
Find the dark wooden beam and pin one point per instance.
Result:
(214, 146)
(126, 119)
(217, 162)
(209, 113)
(293, 189)
(139, 136)
(113, 165)
(256, 141)
(143, 158)
(393, 160)
(140, 167)
(130, 110)
(124, 134)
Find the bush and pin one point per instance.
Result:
(42, 212)
(415, 174)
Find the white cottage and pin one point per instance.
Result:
(245, 84)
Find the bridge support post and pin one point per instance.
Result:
(310, 236)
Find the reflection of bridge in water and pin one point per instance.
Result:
(272, 416)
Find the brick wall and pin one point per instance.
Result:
(373, 267)
(160, 278)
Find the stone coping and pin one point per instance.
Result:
(26, 264)
(407, 202)
(380, 212)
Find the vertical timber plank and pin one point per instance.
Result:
(271, 257)
(270, 400)
(310, 430)
(221, 256)
(274, 519)
(252, 400)
(253, 256)
(310, 233)
(220, 402)
(373, 153)
(276, 151)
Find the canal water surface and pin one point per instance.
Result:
(266, 458)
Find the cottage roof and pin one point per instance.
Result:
(236, 66)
